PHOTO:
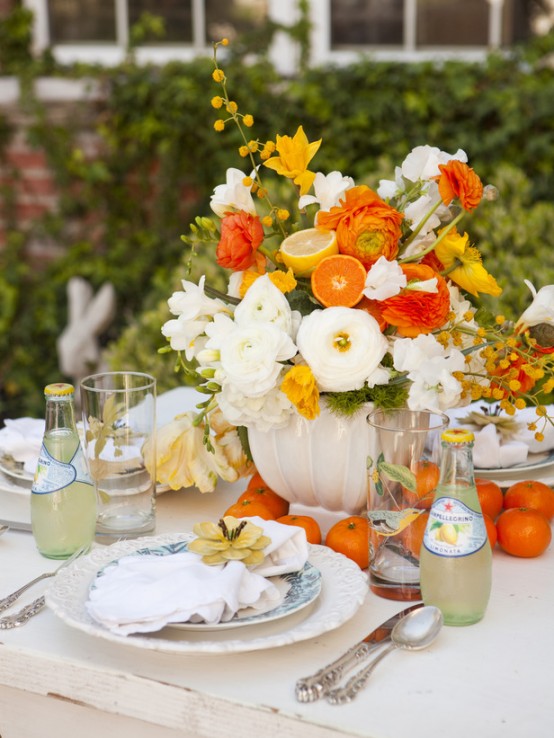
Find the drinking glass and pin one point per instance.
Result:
(119, 417)
(402, 475)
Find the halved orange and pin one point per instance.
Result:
(339, 280)
(303, 250)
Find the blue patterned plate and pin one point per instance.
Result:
(301, 587)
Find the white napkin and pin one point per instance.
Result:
(491, 451)
(21, 439)
(144, 593)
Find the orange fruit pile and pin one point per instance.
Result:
(523, 532)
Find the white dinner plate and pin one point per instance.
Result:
(343, 590)
(300, 589)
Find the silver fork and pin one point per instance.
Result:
(8, 601)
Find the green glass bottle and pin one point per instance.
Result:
(456, 557)
(63, 500)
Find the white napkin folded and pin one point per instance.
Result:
(21, 439)
(143, 593)
(491, 451)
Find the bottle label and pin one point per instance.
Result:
(454, 529)
(52, 475)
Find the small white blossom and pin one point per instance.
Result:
(389, 188)
(417, 211)
(233, 195)
(541, 310)
(342, 346)
(265, 303)
(384, 279)
(422, 163)
(328, 188)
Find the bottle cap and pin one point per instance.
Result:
(59, 389)
(457, 435)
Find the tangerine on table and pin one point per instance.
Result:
(276, 504)
(490, 497)
(350, 537)
(339, 280)
(249, 508)
(492, 533)
(427, 476)
(309, 524)
(533, 494)
(523, 532)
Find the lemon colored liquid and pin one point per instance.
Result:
(458, 584)
(63, 520)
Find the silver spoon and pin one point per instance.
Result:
(3, 529)
(415, 631)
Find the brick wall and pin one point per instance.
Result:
(28, 189)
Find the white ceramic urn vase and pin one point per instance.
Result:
(317, 463)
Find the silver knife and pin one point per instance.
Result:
(15, 525)
(310, 689)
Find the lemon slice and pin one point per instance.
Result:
(302, 251)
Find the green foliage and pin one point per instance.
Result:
(123, 210)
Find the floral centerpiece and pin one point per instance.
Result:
(359, 296)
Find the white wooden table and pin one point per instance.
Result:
(493, 679)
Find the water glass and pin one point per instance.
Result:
(402, 475)
(119, 418)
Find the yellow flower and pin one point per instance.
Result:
(464, 266)
(284, 281)
(219, 125)
(300, 387)
(217, 101)
(229, 540)
(283, 214)
(218, 75)
(248, 120)
(232, 107)
(294, 156)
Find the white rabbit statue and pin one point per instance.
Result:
(89, 315)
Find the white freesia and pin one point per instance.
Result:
(194, 310)
(272, 410)
(249, 354)
(182, 459)
(389, 188)
(430, 368)
(424, 285)
(233, 195)
(384, 279)
(422, 163)
(541, 310)
(417, 211)
(265, 303)
(234, 284)
(342, 346)
(328, 188)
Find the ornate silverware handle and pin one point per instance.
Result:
(10, 599)
(21, 617)
(312, 688)
(340, 695)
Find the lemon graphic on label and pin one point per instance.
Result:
(448, 534)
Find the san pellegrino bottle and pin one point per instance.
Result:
(456, 557)
(63, 500)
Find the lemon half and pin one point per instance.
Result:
(302, 251)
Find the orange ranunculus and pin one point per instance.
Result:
(241, 234)
(413, 311)
(366, 226)
(457, 180)
(373, 307)
(515, 371)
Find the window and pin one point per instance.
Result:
(341, 29)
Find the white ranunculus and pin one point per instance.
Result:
(328, 188)
(422, 163)
(272, 410)
(185, 335)
(264, 303)
(384, 279)
(541, 310)
(233, 195)
(342, 346)
(250, 355)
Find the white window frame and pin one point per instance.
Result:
(284, 52)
